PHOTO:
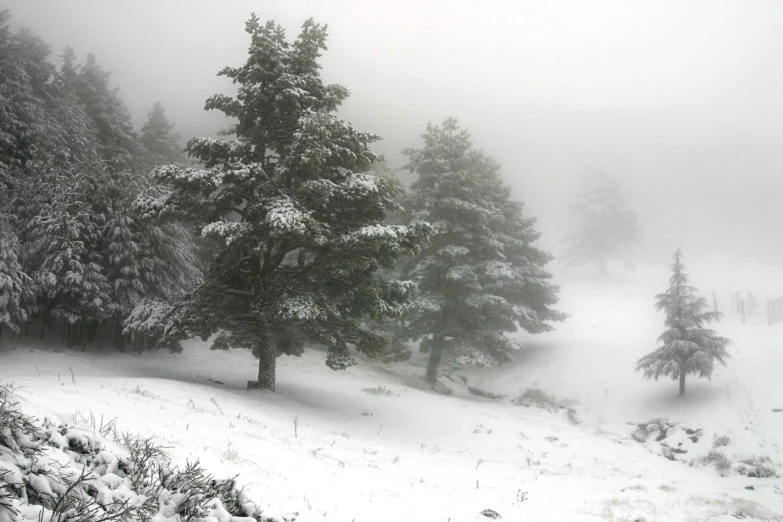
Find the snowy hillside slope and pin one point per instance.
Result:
(330, 447)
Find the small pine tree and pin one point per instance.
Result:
(688, 347)
(606, 228)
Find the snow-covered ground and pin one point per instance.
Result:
(326, 448)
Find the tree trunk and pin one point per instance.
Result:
(267, 362)
(43, 323)
(92, 330)
(682, 383)
(603, 266)
(82, 337)
(119, 339)
(436, 353)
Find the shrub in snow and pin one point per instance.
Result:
(719, 461)
(722, 440)
(687, 347)
(54, 472)
(658, 427)
(757, 467)
(381, 391)
(537, 398)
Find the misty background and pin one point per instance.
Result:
(681, 100)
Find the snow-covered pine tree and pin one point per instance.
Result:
(13, 280)
(158, 136)
(64, 255)
(117, 139)
(606, 228)
(481, 276)
(26, 128)
(296, 219)
(81, 143)
(687, 347)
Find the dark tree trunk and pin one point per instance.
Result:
(92, 331)
(682, 384)
(26, 328)
(65, 327)
(82, 337)
(267, 362)
(436, 353)
(119, 339)
(43, 323)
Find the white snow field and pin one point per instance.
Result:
(324, 447)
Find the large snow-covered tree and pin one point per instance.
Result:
(687, 347)
(296, 218)
(481, 277)
(606, 228)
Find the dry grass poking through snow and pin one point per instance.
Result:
(537, 398)
(51, 471)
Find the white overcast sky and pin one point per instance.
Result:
(682, 99)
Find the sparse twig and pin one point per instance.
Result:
(73, 377)
(213, 401)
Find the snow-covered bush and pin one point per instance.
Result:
(147, 325)
(537, 398)
(55, 472)
(757, 467)
(719, 461)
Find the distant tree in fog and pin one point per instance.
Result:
(158, 136)
(481, 276)
(687, 347)
(605, 227)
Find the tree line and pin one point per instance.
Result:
(287, 230)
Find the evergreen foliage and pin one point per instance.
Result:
(116, 137)
(296, 218)
(481, 276)
(606, 228)
(78, 247)
(13, 281)
(687, 348)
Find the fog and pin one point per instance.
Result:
(679, 99)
